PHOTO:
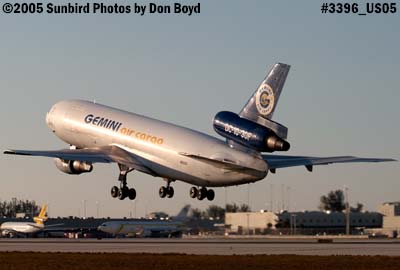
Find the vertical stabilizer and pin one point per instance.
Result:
(265, 99)
(41, 218)
(183, 214)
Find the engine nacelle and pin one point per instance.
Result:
(248, 133)
(73, 166)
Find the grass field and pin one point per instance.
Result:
(121, 261)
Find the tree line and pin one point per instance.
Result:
(9, 209)
(334, 201)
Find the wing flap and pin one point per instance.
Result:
(223, 164)
(226, 164)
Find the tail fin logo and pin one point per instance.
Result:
(41, 218)
(265, 99)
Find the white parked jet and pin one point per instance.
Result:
(148, 227)
(98, 133)
(12, 228)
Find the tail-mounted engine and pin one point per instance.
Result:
(73, 166)
(248, 133)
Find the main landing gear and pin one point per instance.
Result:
(166, 191)
(123, 191)
(202, 193)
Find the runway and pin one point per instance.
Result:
(386, 247)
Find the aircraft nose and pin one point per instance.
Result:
(49, 118)
(102, 228)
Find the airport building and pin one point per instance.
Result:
(391, 219)
(254, 222)
(308, 222)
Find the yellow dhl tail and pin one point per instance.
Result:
(41, 218)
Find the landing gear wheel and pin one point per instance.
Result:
(210, 195)
(123, 193)
(193, 192)
(114, 191)
(202, 193)
(162, 192)
(132, 194)
(170, 192)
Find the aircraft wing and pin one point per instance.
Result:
(280, 161)
(104, 154)
(89, 155)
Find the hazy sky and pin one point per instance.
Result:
(341, 96)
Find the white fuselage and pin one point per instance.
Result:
(161, 146)
(21, 227)
(145, 228)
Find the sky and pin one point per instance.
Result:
(341, 96)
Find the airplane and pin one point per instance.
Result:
(148, 227)
(13, 228)
(100, 134)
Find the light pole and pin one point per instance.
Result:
(97, 209)
(283, 197)
(347, 211)
(84, 209)
(226, 196)
(248, 195)
(272, 198)
(293, 223)
(135, 202)
(248, 223)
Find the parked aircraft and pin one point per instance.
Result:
(14, 228)
(148, 227)
(100, 134)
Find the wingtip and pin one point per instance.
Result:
(16, 152)
(386, 160)
(377, 159)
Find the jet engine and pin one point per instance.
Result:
(248, 133)
(73, 166)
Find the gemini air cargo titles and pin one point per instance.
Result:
(102, 122)
(115, 126)
(101, 134)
